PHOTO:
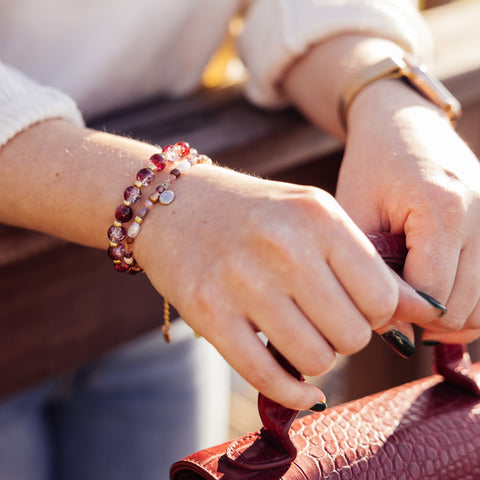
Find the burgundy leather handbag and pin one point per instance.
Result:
(426, 429)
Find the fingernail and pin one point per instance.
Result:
(400, 343)
(318, 407)
(431, 343)
(433, 302)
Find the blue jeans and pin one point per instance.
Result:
(127, 416)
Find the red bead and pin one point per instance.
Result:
(158, 161)
(146, 176)
(183, 148)
(116, 253)
(116, 234)
(132, 194)
(121, 267)
(123, 213)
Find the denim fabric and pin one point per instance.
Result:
(127, 416)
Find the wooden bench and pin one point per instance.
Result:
(62, 304)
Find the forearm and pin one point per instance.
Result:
(67, 181)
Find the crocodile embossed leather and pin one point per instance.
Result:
(428, 429)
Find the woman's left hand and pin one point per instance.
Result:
(405, 169)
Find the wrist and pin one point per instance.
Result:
(390, 102)
(403, 68)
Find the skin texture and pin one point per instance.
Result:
(426, 182)
(236, 254)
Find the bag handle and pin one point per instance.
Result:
(276, 449)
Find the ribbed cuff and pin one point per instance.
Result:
(24, 103)
(278, 32)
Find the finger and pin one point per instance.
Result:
(244, 351)
(331, 311)
(365, 276)
(301, 343)
(431, 267)
(399, 336)
(463, 336)
(415, 306)
(465, 295)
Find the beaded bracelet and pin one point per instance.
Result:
(122, 238)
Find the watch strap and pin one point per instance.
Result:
(416, 75)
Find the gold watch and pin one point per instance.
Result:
(417, 76)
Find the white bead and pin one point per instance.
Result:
(183, 165)
(133, 230)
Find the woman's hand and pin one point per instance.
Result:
(406, 170)
(236, 255)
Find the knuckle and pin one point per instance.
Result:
(384, 302)
(320, 362)
(453, 323)
(453, 209)
(356, 341)
(315, 203)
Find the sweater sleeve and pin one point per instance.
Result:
(24, 102)
(279, 31)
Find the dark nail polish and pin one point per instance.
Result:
(319, 407)
(400, 343)
(433, 302)
(431, 343)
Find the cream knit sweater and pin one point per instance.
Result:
(102, 54)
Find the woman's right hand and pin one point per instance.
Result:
(236, 255)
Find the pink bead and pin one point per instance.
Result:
(116, 234)
(116, 253)
(170, 153)
(132, 194)
(146, 176)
